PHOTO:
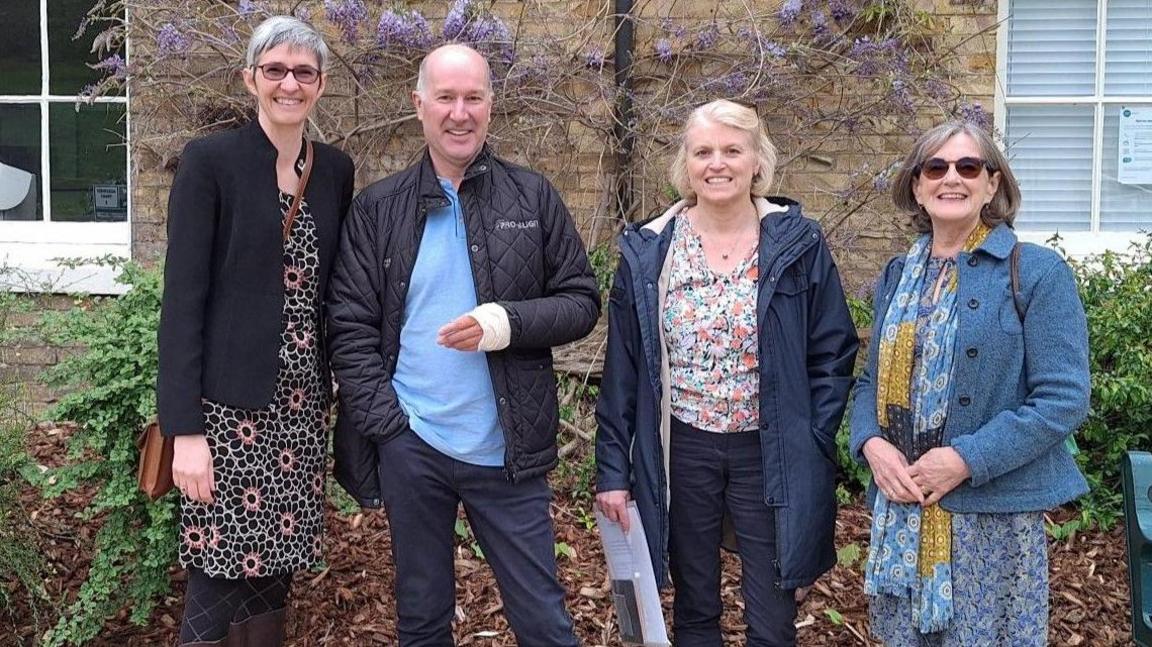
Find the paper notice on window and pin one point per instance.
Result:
(634, 592)
(1135, 150)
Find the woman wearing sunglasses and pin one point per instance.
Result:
(253, 221)
(732, 304)
(977, 375)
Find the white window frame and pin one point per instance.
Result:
(1076, 243)
(31, 247)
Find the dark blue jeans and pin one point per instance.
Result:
(710, 474)
(422, 490)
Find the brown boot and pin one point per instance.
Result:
(264, 630)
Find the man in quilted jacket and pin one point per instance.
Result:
(454, 280)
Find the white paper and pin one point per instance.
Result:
(1135, 149)
(634, 592)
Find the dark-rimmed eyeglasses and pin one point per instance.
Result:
(968, 168)
(305, 74)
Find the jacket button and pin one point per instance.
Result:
(402, 284)
(972, 352)
(972, 262)
(771, 499)
(503, 401)
(965, 400)
(475, 248)
(973, 303)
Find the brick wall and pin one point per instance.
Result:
(575, 155)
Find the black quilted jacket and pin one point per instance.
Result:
(526, 256)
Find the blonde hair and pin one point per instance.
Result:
(1004, 204)
(731, 114)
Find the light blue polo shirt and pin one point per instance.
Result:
(446, 393)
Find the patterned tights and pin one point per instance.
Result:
(211, 604)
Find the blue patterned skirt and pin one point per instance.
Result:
(999, 587)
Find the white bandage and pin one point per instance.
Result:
(493, 320)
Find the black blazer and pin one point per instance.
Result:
(220, 322)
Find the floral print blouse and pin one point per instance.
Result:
(709, 323)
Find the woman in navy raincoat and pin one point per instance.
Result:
(729, 361)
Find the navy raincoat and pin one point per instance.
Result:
(807, 351)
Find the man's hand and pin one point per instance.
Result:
(192, 467)
(890, 471)
(463, 333)
(614, 505)
(938, 472)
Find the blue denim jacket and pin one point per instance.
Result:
(1020, 388)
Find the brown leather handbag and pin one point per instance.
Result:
(154, 474)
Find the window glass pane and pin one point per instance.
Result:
(1051, 48)
(20, 47)
(1126, 206)
(1128, 59)
(20, 162)
(68, 71)
(1050, 148)
(89, 162)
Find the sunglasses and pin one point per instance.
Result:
(305, 74)
(968, 168)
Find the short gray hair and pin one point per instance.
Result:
(731, 114)
(422, 75)
(1004, 204)
(287, 30)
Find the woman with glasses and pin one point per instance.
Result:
(977, 375)
(731, 305)
(253, 220)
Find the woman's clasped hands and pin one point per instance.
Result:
(925, 482)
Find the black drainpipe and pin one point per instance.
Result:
(624, 133)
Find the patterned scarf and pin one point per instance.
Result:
(910, 550)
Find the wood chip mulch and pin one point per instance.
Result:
(349, 601)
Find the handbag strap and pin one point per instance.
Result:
(1014, 271)
(291, 217)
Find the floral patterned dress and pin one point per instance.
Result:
(710, 330)
(999, 566)
(268, 464)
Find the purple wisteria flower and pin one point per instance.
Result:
(664, 50)
(348, 15)
(170, 41)
(760, 43)
(790, 11)
(975, 114)
(878, 58)
(249, 7)
(672, 29)
(457, 19)
(841, 10)
(707, 37)
(595, 58)
(303, 13)
(467, 23)
(882, 181)
(114, 66)
(734, 83)
(901, 97)
(407, 29)
(820, 25)
(936, 89)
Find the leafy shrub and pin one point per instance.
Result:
(22, 564)
(854, 477)
(1117, 293)
(111, 395)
